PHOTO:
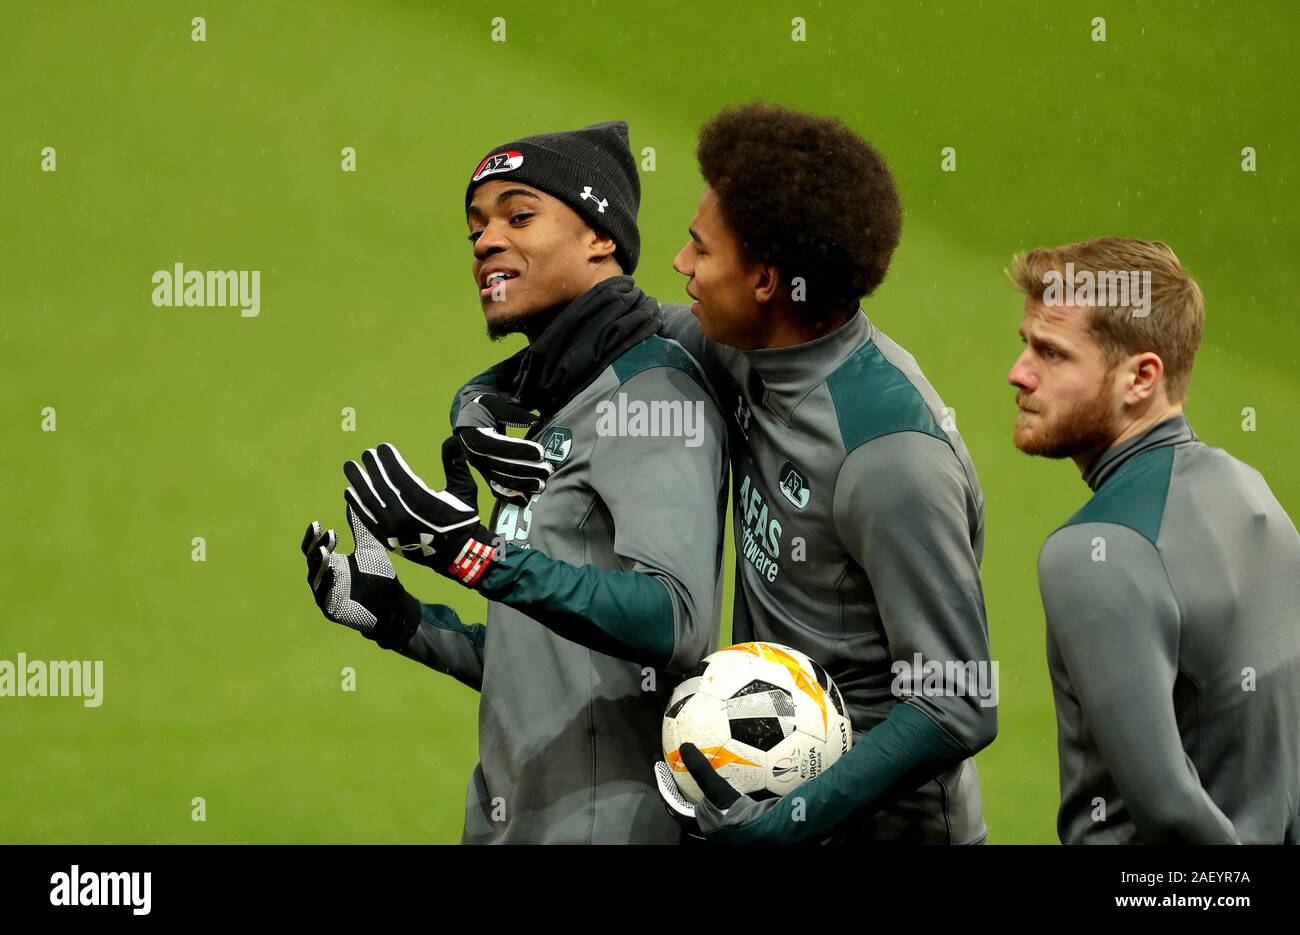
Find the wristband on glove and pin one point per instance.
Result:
(433, 528)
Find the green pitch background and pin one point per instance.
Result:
(222, 680)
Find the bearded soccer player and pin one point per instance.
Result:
(1173, 596)
(605, 584)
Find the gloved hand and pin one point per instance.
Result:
(437, 529)
(515, 468)
(360, 590)
(723, 806)
(678, 805)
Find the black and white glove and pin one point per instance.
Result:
(515, 468)
(437, 529)
(360, 590)
(678, 805)
(724, 814)
(716, 789)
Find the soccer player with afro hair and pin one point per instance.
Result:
(859, 521)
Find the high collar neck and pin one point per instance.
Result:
(582, 340)
(1171, 431)
(790, 373)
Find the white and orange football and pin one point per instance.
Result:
(768, 718)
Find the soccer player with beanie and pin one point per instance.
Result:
(606, 584)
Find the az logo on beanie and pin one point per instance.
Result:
(498, 162)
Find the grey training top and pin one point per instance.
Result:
(859, 530)
(1173, 638)
(610, 588)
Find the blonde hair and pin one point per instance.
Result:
(1169, 324)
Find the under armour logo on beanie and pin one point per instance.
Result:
(592, 170)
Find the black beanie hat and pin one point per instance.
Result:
(592, 170)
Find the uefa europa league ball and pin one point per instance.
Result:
(767, 717)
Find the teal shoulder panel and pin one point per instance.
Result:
(654, 352)
(1135, 496)
(874, 398)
